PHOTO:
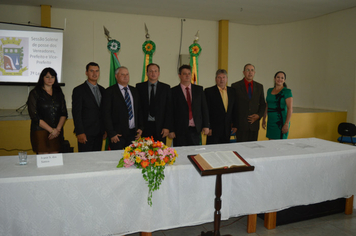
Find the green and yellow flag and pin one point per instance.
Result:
(114, 47)
(148, 47)
(194, 51)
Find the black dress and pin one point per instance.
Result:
(42, 106)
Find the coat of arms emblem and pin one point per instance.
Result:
(11, 56)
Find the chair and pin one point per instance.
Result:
(348, 130)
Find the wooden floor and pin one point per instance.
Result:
(332, 225)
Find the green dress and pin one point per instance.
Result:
(277, 113)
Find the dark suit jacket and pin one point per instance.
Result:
(181, 110)
(163, 108)
(246, 107)
(86, 112)
(115, 112)
(221, 120)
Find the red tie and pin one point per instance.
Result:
(189, 101)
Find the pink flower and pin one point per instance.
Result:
(165, 152)
(142, 156)
(128, 163)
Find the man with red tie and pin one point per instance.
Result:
(190, 110)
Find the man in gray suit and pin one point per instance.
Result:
(251, 105)
(86, 102)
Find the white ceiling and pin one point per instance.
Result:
(254, 12)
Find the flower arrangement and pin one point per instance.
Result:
(150, 156)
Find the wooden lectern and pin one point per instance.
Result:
(218, 186)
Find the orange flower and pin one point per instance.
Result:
(148, 47)
(150, 152)
(153, 160)
(145, 163)
(156, 153)
(195, 49)
(166, 159)
(157, 144)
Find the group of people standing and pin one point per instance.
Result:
(123, 113)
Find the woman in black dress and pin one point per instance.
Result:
(48, 112)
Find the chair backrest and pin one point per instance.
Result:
(347, 129)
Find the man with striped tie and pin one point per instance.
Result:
(122, 116)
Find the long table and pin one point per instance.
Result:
(88, 195)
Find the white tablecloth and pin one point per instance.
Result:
(88, 195)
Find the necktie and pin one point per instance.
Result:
(224, 97)
(152, 101)
(249, 91)
(189, 101)
(97, 95)
(128, 103)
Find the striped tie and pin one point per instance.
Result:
(128, 103)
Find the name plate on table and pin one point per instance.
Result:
(47, 160)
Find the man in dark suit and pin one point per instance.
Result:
(251, 105)
(121, 111)
(155, 100)
(86, 99)
(221, 102)
(190, 111)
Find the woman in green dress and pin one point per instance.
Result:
(279, 108)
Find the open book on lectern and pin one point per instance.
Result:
(220, 160)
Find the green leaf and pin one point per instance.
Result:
(121, 163)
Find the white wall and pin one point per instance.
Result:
(318, 55)
(84, 41)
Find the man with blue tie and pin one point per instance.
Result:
(121, 111)
(250, 105)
